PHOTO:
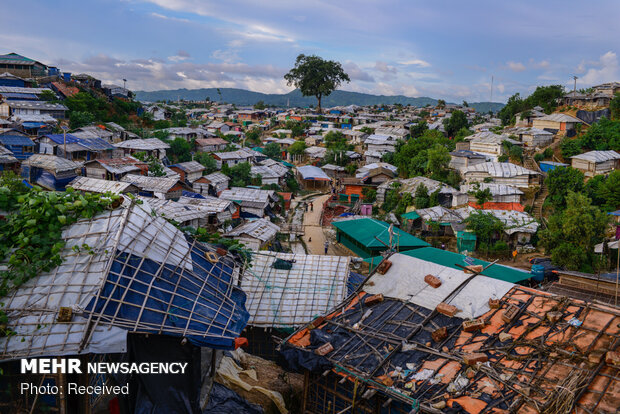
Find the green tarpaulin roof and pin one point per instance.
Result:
(412, 215)
(364, 232)
(450, 259)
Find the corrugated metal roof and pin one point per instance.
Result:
(95, 185)
(598, 156)
(155, 184)
(559, 118)
(143, 144)
(500, 169)
(261, 229)
(51, 162)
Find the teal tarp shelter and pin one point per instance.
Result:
(451, 259)
(360, 236)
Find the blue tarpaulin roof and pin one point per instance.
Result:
(92, 144)
(18, 140)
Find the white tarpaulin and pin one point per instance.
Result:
(405, 280)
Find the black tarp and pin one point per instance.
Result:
(161, 393)
(223, 400)
(590, 117)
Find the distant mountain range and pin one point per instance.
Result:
(295, 98)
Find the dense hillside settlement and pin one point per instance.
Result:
(369, 259)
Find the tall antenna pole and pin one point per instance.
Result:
(575, 86)
(491, 89)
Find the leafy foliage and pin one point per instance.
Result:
(485, 226)
(412, 157)
(572, 233)
(455, 123)
(207, 161)
(240, 174)
(31, 233)
(560, 182)
(180, 150)
(602, 135)
(604, 191)
(272, 150)
(544, 96)
(316, 77)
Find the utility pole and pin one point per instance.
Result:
(64, 134)
(124, 83)
(575, 86)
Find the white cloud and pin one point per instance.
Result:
(543, 64)
(415, 62)
(515, 66)
(356, 73)
(607, 70)
(384, 67)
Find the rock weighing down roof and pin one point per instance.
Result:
(140, 273)
(286, 290)
(530, 350)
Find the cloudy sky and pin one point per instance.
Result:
(442, 48)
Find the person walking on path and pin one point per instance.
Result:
(311, 206)
(326, 246)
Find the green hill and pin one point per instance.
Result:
(295, 98)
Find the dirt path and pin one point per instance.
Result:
(314, 237)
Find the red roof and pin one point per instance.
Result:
(66, 90)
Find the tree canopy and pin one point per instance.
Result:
(316, 77)
(560, 181)
(457, 121)
(572, 233)
(272, 150)
(544, 96)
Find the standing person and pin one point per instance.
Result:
(311, 206)
(306, 207)
(326, 246)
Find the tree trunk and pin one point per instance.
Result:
(318, 97)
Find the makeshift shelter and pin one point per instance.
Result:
(286, 290)
(115, 168)
(427, 338)
(211, 184)
(218, 210)
(160, 187)
(465, 241)
(311, 177)
(368, 237)
(253, 202)
(49, 171)
(501, 173)
(255, 234)
(152, 146)
(95, 185)
(137, 273)
(596, 162)
(8, 161)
